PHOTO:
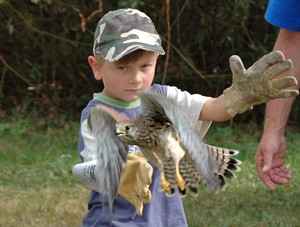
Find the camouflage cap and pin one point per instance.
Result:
(123, 31)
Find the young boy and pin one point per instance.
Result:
(126, 48)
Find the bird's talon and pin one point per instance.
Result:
(181, 185)
(166, 186)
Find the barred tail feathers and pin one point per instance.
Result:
(225, 163)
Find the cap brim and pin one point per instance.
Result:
(112, 54)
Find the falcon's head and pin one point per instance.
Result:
(128, 132)
(136, 132)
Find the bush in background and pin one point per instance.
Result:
(45, 45)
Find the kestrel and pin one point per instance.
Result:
(167, 139)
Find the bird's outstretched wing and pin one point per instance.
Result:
(112, 153)
(156, 104)
(226, 164)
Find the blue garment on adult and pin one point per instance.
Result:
(284, 14)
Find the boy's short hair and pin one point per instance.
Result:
(123, 31)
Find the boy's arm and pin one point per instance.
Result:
(134, 184)
(256, 85)
(136, 175)
(214, 110)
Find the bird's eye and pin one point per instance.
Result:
(127, 127)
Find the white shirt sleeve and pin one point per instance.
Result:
(89, 152)
(192, 106)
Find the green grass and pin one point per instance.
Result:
(37, 188)
(36, 185)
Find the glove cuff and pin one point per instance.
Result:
(87, 173)
(234, 102)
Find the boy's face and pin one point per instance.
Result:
(124, 81)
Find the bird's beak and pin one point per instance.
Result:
(119, 132)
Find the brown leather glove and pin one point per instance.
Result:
(259, 83)
(135, 181)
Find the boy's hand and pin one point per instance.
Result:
(135, 181)
(258, 84)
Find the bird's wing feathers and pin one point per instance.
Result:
(189, 138)
(226, 164)
(112, 153)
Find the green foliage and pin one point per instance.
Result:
(130, 3)
(45, 45)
